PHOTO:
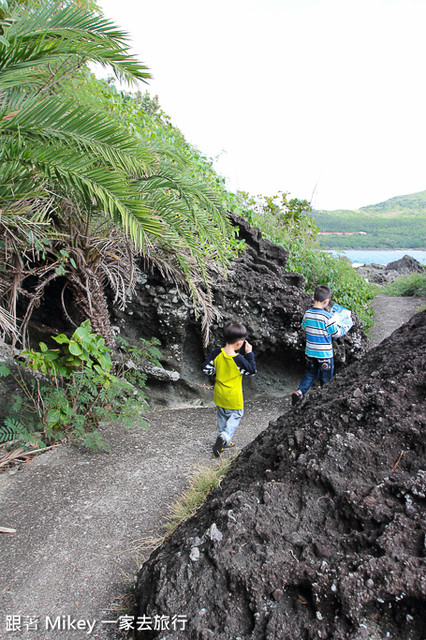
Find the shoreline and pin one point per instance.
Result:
(378, 256)
(375, 249)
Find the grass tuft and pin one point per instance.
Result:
(203, 480)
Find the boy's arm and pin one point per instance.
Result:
(246, 364)
(335, 330)
(208, 365)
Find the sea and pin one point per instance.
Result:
(380, 256)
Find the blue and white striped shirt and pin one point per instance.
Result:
(320, 329)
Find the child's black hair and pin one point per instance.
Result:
(234, 331)
(322, 292)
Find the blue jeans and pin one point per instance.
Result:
(227, 422)
(321, 368)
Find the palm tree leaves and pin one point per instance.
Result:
(50, 36)
(61, 122)
(76, 175)
(49, 147)
(22, 232)
(74, 155)
(90, 155)
(77, 151)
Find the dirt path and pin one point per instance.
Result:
(391, 313)
(80, 516)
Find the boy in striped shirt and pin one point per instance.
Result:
(320, 328)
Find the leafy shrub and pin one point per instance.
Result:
(412, 285)
(83, 350)
(287, 222)
(75, 389)
(349, 288)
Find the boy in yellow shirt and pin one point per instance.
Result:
(229, 366)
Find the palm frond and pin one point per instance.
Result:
(51, 147)
(48, 35)
(54, 121)
(179, 266)
(78, 174)
(7, 323)
(190, 211)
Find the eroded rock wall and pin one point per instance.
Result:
(319, 529)
(258, 291)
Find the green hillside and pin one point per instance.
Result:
(397, 223)
(413, 204)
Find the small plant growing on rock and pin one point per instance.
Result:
(202, 482)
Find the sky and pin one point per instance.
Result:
(324, 99)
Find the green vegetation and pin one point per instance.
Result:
(84, 186)
(412, 285)
(413, 204)
(75, 390)
(396, 223)
(287, 222)
(94, 184)
(203, 480)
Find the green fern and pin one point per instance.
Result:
(13, 430)
(9, 430)
(4, 370)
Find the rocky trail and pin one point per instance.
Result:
(81, 518)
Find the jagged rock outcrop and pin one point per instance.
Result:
(318, 531)
(407, 264)
(382, 274)
(377, 273)
(257, 291)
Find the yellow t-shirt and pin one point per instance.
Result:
(229, 371)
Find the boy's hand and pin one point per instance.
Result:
(249, 348)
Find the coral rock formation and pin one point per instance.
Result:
(381, 274)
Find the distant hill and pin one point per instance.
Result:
(397, 223)
(413, 204)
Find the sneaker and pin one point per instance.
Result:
(219, 446)
(230, 445)
(296, 396)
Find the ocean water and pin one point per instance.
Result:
(381, 256)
